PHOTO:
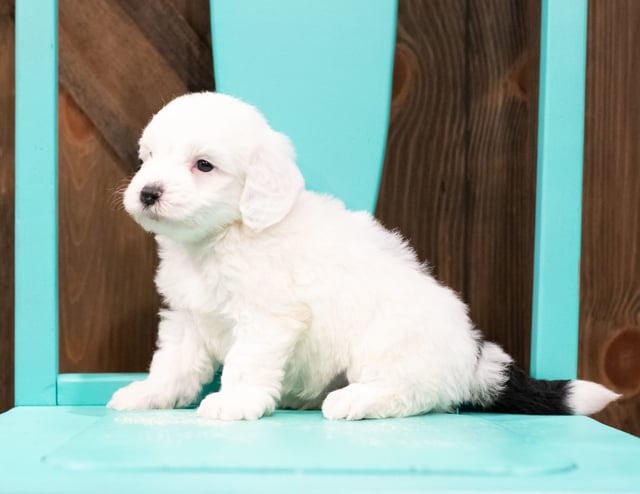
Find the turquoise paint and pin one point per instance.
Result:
(554, 337)
(75, 449)
(36, 239)
(463, 444)
(92, 389)
(98, 388)
(321, 73)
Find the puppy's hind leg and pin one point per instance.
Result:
(371, 400)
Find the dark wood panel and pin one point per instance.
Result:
(116, 74)
(502, 70)
(119, 63)
(196, 13)
(108, 305)
(7, 74)
(422, 192)
(460, 164)
(184, 48)
(610, 269)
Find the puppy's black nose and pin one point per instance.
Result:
(150, 194)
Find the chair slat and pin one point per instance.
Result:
(36, 239)
(554, 336)
(321, 73)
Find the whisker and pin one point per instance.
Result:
(117, 192)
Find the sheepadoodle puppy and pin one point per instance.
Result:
(304, 303)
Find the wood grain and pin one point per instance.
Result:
(502, 67)
(108, 305)
(197, 15)
(610, 268)
(120, 77)
(7, 75)
(423, 180)
(119, 63)
(460, 163)
(184, 49)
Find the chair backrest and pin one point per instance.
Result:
(321, 72)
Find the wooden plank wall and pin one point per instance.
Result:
(459, 177)
(610, 270)
(120, 60)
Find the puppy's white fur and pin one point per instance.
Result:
(287, 288)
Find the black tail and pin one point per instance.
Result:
(526, 395)
(519, 393)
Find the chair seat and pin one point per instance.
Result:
(73, 449)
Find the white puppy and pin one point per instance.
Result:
(304, 302)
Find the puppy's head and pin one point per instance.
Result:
(210, 160)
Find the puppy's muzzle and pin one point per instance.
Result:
(150, 194)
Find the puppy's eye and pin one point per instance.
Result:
(204, 166)
(140, 163)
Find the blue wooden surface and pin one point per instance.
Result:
(91, 449)
(556, 275)
(305, 442)
(92, 389)
(321, 73)
(36, 205)
(97, 388)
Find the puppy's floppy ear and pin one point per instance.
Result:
(272, 185)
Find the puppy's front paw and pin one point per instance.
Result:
(141, 395)
(236, 405)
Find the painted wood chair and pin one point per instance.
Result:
(330, 91)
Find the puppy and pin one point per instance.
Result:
(305, 303)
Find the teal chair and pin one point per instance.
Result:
(329, 90)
